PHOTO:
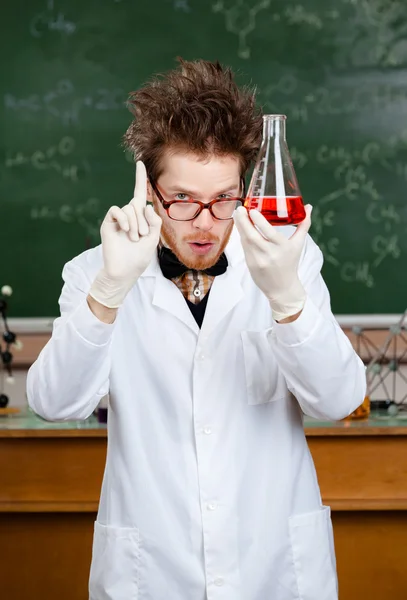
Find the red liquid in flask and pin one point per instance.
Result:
(295, 209)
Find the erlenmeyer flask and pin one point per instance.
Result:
(273, 188)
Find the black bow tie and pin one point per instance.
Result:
(171, 267)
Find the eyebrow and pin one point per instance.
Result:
(181, 190)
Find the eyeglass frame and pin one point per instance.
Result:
(202, 205)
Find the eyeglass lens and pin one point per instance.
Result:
(183, 211)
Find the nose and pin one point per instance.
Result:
(204, 221)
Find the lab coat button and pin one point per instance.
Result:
(207, 430)
(219, 581)
(211, 506)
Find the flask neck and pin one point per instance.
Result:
(274, 126)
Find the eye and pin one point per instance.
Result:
(181, 196)
(224, 196)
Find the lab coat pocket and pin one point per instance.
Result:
(314, 555)
(115, 563)
(264, 382)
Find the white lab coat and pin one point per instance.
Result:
(209, 489)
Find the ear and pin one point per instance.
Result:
(150, 192)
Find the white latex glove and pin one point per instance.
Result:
(273, 260)
(130, 237)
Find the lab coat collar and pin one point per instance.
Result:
(226, 291)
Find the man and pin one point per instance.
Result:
(210, 359)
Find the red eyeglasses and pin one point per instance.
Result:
(188, 210)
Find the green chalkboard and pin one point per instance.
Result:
(336, 68)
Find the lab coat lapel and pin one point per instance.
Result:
(168, 297)
(226, 292)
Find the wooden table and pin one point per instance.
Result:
(50, 482)
(362, 472)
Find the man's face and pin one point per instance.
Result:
(197, 243)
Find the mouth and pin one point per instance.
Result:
(201, 247)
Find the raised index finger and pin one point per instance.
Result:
(139, 199)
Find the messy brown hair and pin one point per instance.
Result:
(196, 107)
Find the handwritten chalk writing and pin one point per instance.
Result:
(325, 154)
(358, 272)
(387, 214)
(59, 102)
(400, 168)
(348, 192)
(299, 158)
(297, 113)
(385, 247)
(107, 99)
(31, 103)
(297, 15)
(398, 140)
(64, 147)
(321, 220)
(331, 102)
(241, 20)
(287, 85)
(369, 189)
(329, 249)
(369, 154)
(375, 16)
(332, 245)
(37, 102)
(182, 5)
(63, 103)
(357, 174)
(357, 185)
(332, 196)
(380, 26)
(50, 158)
(87, 215)
(343, 170)
(332, 14)
(49, 20)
